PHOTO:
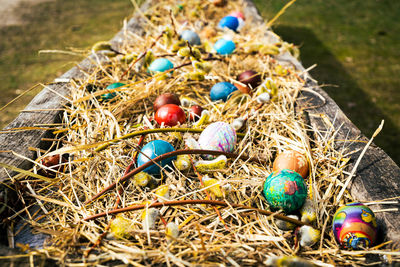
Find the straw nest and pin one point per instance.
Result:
(208, 234)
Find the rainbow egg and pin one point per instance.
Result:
(152, 150)
(224, 47)
(222, 91)
(219, 136)
(160, 65)
(109, 96)
(285, 190)
(229, 22)
(354, 226)
(190, 36)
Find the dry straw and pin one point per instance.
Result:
(102, 138)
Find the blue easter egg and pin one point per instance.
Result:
(190, 36)
(160, 65)
(224, 47)
(109, 96)
(152, 150)
(222, 91)
(230, 22)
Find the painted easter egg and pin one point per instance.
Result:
(224, 46)
(291, 160)
(237, 14)
(109, 96)
(285, 190)
(222, 91)
(354, 226)
(55, 163)
(195, 112)
(170, 115)
(166, 98)
(160, 65)
(219, 136)
(152, 150)
(190, 36)
(229, 22)
(219, 3)
(250, 78)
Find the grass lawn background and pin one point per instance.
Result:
(356, 45)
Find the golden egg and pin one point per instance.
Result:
(292, 160)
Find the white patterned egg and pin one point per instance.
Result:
(219, 136)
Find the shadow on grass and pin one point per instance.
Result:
(358, 107)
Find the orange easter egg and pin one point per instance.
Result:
(292, 160)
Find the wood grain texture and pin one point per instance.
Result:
(377, 176)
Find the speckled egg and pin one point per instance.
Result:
(292, 160)
(220, 136)
(109, 96)
(285, 190)
(152, 150)
(160, 65)
(224, 47)
(222, 91)
(354, 226)
(190, 36)
(229, 22)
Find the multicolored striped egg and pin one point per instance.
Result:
(219, 136)
(285, 190)
(354, 226)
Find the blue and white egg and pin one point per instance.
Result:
(229, 22)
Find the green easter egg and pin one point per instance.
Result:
(285, 190)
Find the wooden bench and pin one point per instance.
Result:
(377, 176)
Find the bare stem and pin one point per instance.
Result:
(172, 154)
(194, 202)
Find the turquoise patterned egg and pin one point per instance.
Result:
(285, 190)
(354, 226)
(219, 136)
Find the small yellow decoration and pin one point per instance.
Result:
(182, 162)
(171, 231)
(218, 163)
(120, 227)
(142, 179)
(213, 186)
(163, 192)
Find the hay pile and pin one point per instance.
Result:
(207, 234)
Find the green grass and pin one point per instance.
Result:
(56, 25)
(356, 45)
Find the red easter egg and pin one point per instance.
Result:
(195, 112)
(170, 115)
(292, 160)
(250, 78)
(167, 98)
